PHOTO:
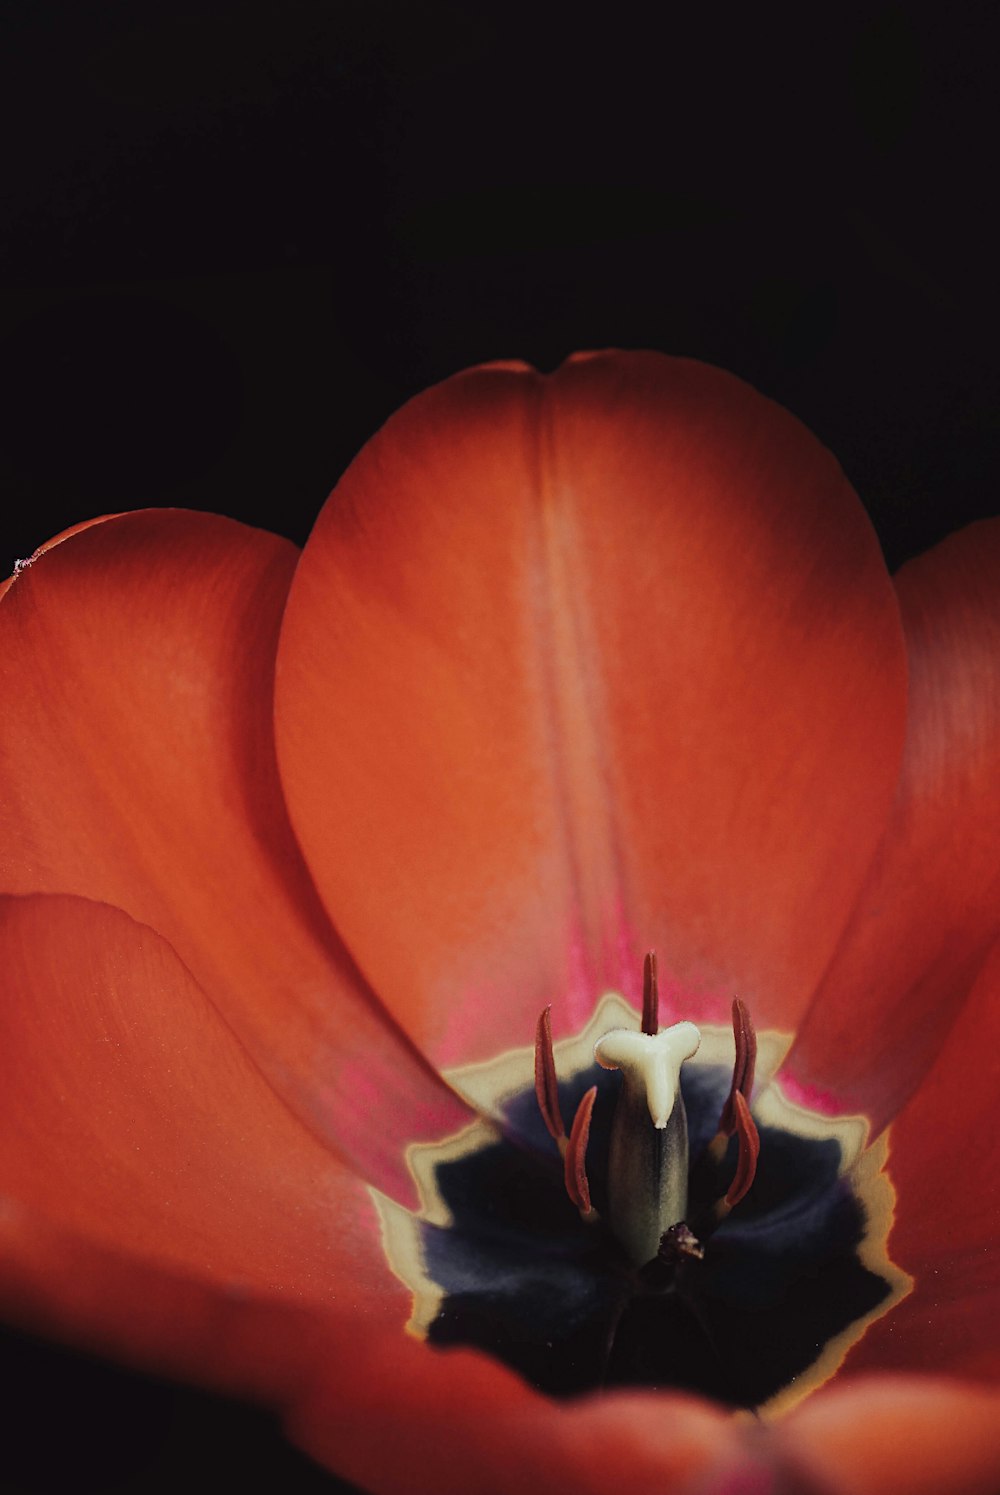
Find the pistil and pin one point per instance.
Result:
(647, 1174)
(648, 1159)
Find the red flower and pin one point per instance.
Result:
(570, 667)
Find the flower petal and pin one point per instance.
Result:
(931, 908)
(944, 1160)
(403, 1417)
(453, 1423)
(366, 1401)
(133, 1118)
(577, 666)
(136, 751)
(894, 1435)
(161, 1320)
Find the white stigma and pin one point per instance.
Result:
(650, 1063)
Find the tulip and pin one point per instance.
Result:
(297, 848)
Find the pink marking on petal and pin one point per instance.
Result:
(375, 1115)
(812, 1097)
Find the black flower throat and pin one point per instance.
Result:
(753, 1306)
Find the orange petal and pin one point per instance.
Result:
(931, 908)
(944, 1160)
(364, 1399)
(74, 529)
(134, 1119)
(577, 666)
(894, 1436)
(136, 753)
(161, 1320)
(401, 1416)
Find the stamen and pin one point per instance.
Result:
(577, 1184)
(745, 1039)
(749, 1139)
(650, 996)
(746, 1166)
(743, 1070)
(546, 1083)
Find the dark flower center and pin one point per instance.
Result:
(752, 1305)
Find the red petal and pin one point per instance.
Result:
(944, 1160)
(931, 908)
(133, 1118)
(367, 1401)
(136, 752)
(578, 666)
(455, 1424)
(151, 1317)
(402, 1417)
(894, 1436)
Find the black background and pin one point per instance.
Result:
(234, 238)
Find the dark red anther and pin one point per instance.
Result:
(546, 1083)
(650, 996)
(749, 1139)
(577, 1186)
(743, 1069)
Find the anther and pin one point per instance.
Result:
(650, 996)
(577, 1184)
(745, 1039)
(546, 1083)
(746, 1061)
(746, 1166)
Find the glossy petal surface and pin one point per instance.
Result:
(136, 751)
(134, 1119)
(577, 666)
(931, 908)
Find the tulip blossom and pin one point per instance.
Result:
(515, 986)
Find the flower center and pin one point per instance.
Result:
(669, 1238)
(648, 1162)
